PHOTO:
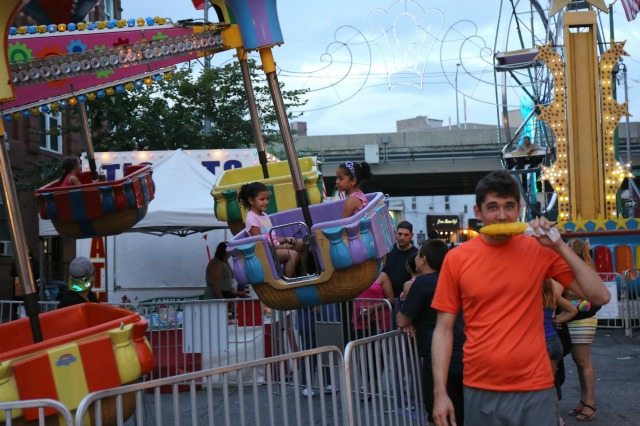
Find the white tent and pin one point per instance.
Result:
(183, 201)
(182, 204)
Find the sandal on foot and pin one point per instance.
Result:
(576, 411)
(584, 417)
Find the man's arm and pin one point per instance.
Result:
(587, 283)
(403, 320)
(441, 347)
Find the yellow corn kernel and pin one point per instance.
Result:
(504, 228)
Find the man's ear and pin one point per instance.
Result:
(476, 211)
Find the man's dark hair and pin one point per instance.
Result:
(434, 251)
(500, 183)
(432, 234)
(405, 225)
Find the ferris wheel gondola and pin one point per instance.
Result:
(523, 83)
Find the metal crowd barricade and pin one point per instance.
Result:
(14, 309)
(328, 325)
(334, 324)
(214, 398)
(632, 286)
(615, 313)
(190, 336)
(35, 410)
(383, 383)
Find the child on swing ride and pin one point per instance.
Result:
(255, 198)
(70, 168)
(348, 178)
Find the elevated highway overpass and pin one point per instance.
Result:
(432, 162)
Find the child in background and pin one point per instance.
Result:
(372, 317)
(411, 268)
(255, 198)
(81, 279)
(348, 178)
(71, 169)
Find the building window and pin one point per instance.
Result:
(109, 10)
(447, 206)
(414, 204)
(51, 137)
(431, 204)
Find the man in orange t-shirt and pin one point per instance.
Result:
(497, 282)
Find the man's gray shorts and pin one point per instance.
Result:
(489, 408)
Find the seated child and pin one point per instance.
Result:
(255, 198)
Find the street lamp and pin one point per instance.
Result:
(457, 109)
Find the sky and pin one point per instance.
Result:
(362, 80)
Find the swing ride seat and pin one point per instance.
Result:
(95, 209)
(350, 253)
(283, 197)
(85, 348)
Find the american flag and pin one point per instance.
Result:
(631, 8)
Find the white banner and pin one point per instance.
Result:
(215, 160)
(610, 310)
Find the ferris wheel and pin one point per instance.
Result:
(521, 82)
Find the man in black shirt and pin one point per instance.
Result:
(396, 264)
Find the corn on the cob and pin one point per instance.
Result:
(504, 228)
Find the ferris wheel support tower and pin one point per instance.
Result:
(587, 174)
(583, 115)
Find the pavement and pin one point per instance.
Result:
(616, 361)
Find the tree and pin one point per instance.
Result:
(171, 113)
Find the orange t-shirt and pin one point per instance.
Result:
(499, 289)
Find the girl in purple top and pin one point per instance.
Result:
(255, 198)
(348, 178)
(557, 310)
(552, 299)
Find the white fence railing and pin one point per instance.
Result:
(36, 411)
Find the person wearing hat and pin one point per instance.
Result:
(81, 275)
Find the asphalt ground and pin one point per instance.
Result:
(616, 361)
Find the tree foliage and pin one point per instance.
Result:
(171, 114)
(36, 174)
